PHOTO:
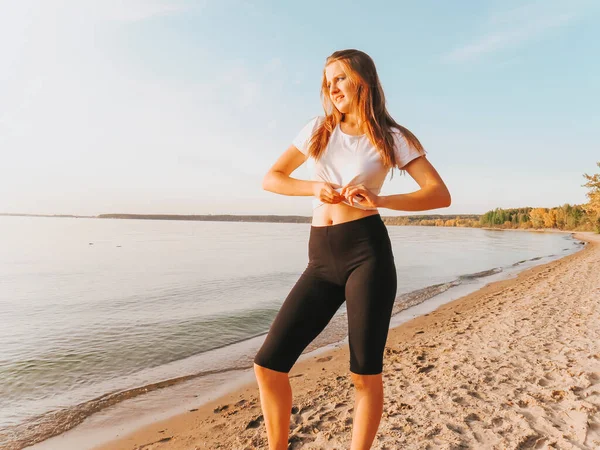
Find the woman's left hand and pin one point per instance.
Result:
(361, 195)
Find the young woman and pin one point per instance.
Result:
(350, 151)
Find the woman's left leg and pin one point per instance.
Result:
(370, 295)
(368, 408)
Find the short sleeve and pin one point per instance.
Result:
(302, 140)
(404, 152)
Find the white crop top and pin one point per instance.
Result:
(351, 159)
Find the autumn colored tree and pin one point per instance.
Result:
(537, 217)
(550, 218)
(592, 208)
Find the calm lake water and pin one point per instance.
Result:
(91, 307)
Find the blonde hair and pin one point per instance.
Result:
(370, 105)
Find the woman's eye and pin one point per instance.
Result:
(337, 79)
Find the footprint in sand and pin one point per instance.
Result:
(472, 418)
(325, 359)
(455, 428)
(593, 377)
(531, 441)
(426, 369)
(254, 423)
(220, 408)
(497, 422)
(459, 400)
(474, 394)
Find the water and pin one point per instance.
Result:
(92, 309)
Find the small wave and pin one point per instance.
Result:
(537, 258)
(485, 273)
(414, 298)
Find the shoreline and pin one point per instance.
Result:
(203, 425)
(264, 218)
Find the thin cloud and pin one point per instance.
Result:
(138, 10)
(244, 85)
(274, 65)
(513, 28)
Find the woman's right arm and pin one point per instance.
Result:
(278, 179)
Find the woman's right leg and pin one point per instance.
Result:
(306, 311)
(276, 403)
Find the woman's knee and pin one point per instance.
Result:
(367, 383)
(267, 376)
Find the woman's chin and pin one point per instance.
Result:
(344, 109)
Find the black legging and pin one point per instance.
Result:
(351, 261)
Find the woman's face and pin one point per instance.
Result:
(341, 91)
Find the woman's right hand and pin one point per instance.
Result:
(326, 193)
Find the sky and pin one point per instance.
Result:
(181, 107)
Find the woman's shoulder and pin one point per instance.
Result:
(399, 136)
(313, 124)
(303, 138)
(317, 120)
(406, 146)
(398, 130)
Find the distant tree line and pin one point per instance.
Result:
(468, 220)
(584, 217)
(210, 218)
(566, 217)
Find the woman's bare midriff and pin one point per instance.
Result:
(333, 214)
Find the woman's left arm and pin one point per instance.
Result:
(433, 193)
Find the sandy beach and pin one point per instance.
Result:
(515, 365)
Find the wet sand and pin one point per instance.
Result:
(515, 365)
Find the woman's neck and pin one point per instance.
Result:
(351, 120)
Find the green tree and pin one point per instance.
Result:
(575, 217)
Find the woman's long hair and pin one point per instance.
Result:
(370, 104)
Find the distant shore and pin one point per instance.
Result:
(389, 220)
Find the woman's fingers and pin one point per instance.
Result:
(359, 194)
(354, 192)
(352, 188)
(329, 195)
